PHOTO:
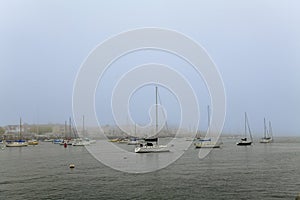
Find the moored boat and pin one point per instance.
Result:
(206, 143)
(245, 141)
(149, 146)
(267, 133)
(33, 142)
(17, 143)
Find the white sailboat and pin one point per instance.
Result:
(267, 133)
(83, 141)
(20, 142)
(245, 141)
(207, 142)
(149, 146)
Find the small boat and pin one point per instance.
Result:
(67, 142)
(20, 142)
(244, 141)
(114, 140)
(206, 143)
(33, 142)
(133, 141)
(123, 141)
(80, 142)
(267, 133)
(57, 141)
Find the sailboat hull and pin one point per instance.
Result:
(244, 143)
(197, 146)
(17, 144)
(264, 140)
(151, 149)
(207, 144)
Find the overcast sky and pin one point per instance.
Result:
(255, 45)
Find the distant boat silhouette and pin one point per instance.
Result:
(245, 141)
(207, 142)
(268, 138)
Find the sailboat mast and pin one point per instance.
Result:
(270, 129)
(245, 124)
(208, 115)
(20, 127)
(70, 127)
(65, 131)
(83, 125)
(156, 109)
(265, 128)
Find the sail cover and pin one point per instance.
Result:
(151, 139)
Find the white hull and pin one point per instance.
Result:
(80, 142)
(133, 143)
(207, 145)
(151, 149)
(17, 144)
(263, 140)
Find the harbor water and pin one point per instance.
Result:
(260, 171)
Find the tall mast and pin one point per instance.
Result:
(37, 129)
(208, 116)
(156, 109)
(83, 126)
(270, 129)
(265, 128)
(20, 131)
(65, 131)
(70, 127)
(245, 124)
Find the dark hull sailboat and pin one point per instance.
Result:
(244, 141)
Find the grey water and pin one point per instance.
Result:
(261, 171)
